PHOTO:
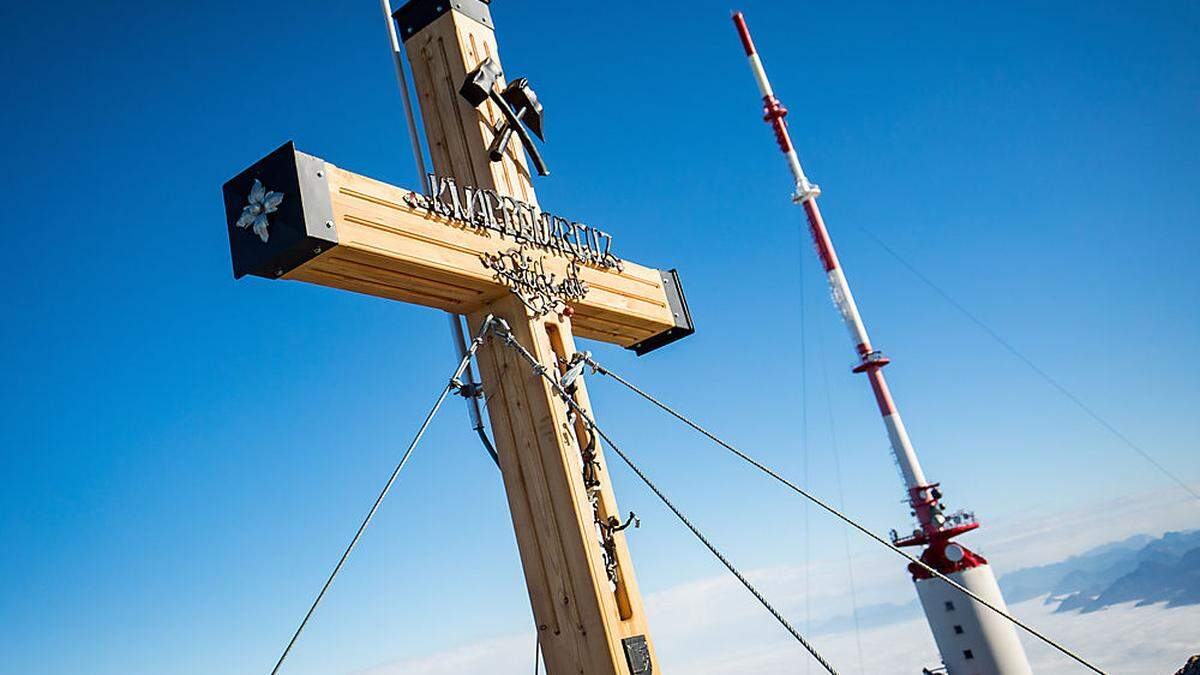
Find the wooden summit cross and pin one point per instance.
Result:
(474, 242)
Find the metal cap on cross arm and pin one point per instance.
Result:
(415, 15)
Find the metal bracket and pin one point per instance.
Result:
(415, 15)
(805, 191)
(468, 390)
(575, 368)
(679, 311)
(637, 655)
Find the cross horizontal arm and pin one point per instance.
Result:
(339, 229)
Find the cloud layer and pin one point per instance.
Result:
(713, 627)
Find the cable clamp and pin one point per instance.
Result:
(594, 364)
(470, 390)
(574, 369)
(496, 325)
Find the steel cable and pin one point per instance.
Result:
(452, 384)
(1033, 366)
(837, 513)
(837, 473)
(591, 423)
(804, 451)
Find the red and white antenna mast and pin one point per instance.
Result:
(972, 640)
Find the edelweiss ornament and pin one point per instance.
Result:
(261, 204)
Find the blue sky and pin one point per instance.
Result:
(185, 455)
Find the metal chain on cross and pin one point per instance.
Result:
(606, 528)
(501, 331)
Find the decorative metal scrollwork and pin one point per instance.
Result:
(608, 544)
(525, 275)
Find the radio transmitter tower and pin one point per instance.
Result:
(972, 639)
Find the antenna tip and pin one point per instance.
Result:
(743, 32)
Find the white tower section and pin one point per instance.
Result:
(972, 639)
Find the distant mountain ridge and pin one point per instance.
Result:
(1140, 569)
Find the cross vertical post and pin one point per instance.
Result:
(586, 604)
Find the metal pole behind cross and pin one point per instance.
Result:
(398, 60)
(472, 390)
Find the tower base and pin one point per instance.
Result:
(972, 639)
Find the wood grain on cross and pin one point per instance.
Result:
(296, 217)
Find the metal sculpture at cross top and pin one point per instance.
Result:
(476, 243)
